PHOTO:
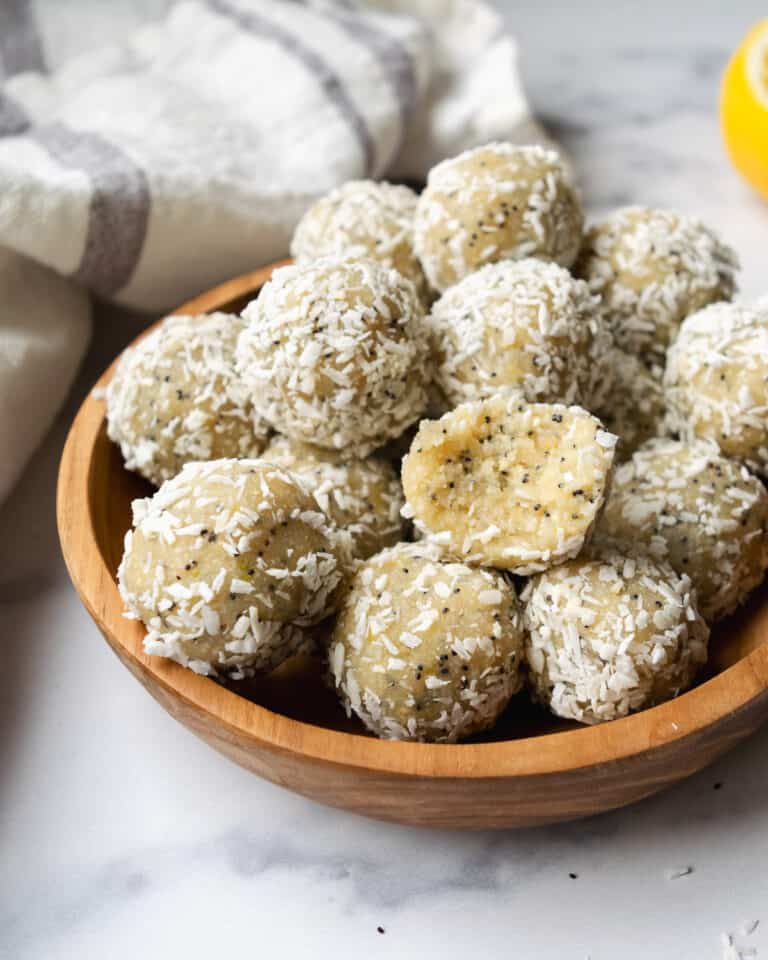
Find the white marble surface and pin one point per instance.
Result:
(122, 836)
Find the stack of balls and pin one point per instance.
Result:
(584, 415)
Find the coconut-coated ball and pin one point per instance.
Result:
(717, 381)
(652, 268)
(610, 635)
(426, 649)
(227, 564)
(363, 218)
(176, 397)
(705, 514)
(336, 354)
(363, 497)
(525, 325)
(496, 202)
(635, 406)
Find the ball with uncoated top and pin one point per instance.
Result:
(336, 354)
(426, 649)
(610, 634)
(496, 202)
(176, 397)
(508, 484)
(228, 564)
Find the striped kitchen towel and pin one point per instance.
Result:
(146, 161)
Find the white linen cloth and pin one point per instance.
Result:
(181, 148)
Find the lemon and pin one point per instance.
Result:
(744, 108)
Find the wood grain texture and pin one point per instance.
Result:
(289, 729)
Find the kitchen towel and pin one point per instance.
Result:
(180, 151)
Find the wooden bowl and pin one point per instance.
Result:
(289, 728)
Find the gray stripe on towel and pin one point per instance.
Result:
(330, 81)
(20, 45)
(119, 210)
(13, 119)
(392, 55)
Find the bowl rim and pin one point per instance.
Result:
(690, 714)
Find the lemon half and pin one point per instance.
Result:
(744, 108)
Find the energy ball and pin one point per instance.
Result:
(363, 218)
(610, 635)
(175, 397)
(497, 202)
(363, 497)
(336, 354)
(705, 514)
(526, 325)
(635, 406)
(425, 649)
(717, 381)
(507, 484)
(652, 268)
(226, 566)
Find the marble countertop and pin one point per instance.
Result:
(122, 836)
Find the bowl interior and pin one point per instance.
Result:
(296, 690)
